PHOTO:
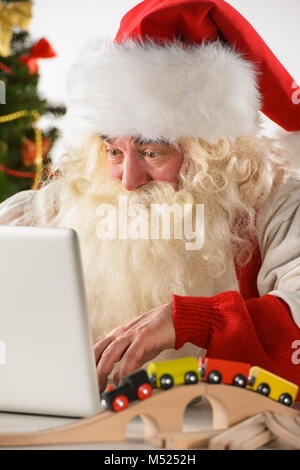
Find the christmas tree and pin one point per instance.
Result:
(23, 147)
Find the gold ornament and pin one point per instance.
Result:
(12, 14)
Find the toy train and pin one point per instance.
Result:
(190, 370)
(135, 386)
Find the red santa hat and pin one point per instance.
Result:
(180, 68)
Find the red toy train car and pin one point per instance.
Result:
(216, 371)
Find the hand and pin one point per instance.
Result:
(135, 343)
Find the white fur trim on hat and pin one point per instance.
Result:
(155, 91)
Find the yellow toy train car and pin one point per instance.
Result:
(165, 374)
(272, 386)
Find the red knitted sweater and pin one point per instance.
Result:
(241, 326)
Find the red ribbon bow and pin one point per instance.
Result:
(41, 50)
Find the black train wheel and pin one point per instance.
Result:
(191, 378)
(285, 399)
(239, 381)
(264, 389)
(166, 381)
(214, 377)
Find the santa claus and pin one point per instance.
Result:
(169, 113)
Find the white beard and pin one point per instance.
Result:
(126, 277)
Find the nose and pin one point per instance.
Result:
(134, 173)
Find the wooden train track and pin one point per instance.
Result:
(162, 414)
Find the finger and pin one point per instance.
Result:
(112, 354)
(101, 345)
(133, 359)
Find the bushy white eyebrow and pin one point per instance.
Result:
(139, 140)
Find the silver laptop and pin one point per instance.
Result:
(47, 363)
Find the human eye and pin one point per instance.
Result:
(151, 155)
(113, 153)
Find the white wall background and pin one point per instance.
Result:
(67, 24)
